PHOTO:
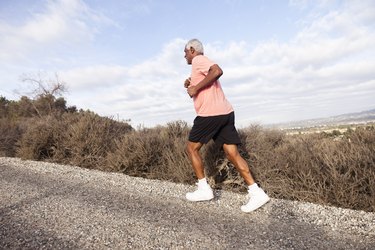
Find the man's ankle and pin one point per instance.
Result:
(202, 183)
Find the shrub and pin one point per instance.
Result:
(40, 138)
(10, 133)
(83, 139)
(261, 146)
(88, 138)
(154, 153)
(176, 164)
(318, 168)
(321, 170)
(136, 153)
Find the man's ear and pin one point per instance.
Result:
(192, 50)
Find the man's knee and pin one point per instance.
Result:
(233, 155)
(193, 147)
(231, 151)
(189, 148)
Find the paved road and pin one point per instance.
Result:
(51, 206)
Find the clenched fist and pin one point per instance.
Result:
(187, 82)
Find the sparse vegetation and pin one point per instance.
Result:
(334, 168)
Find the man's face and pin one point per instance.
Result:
(189, 55)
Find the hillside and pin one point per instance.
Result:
(364, 117)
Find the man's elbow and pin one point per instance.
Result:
(220, 72)
(217, 70)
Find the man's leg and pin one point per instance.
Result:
(195, 158)
(241, 165)
(257, 196)
(204, 191)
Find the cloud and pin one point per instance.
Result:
(163, 68)
(63, 22)
(305, 4)
(151, 89)
(327, 67)
(93, 77)
(321, 71)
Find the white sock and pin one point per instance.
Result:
(253, 187)
(202, 182)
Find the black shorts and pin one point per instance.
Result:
(219, 128)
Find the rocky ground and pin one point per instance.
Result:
(51, 206)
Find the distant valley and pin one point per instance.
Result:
(360, 118)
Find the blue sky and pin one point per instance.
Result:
(282, 60)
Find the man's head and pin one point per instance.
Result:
(193, 48)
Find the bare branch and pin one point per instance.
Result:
(41, 86)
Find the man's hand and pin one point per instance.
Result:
(214, 73)
(192, 91)
(187, 82)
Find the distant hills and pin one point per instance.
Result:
(363, 117)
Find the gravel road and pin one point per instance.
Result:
(51, 206)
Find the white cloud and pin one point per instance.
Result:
(326, 66)
(150, 90)
(325, 69)
(63, 22)
(304, 4)
(92, 77)
(163, 68)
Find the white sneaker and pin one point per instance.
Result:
(257, 199)
(203, 193)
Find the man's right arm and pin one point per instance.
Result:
(214, 73)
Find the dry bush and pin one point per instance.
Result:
(83, 139)
(260, 145)
(319, 168)
(153, 153)
(296, 174)
(347, 173)
(88, 138)
(315, 168)
(220, 172)
(176, 164)
(39, 140)
(136, 153)
(322, 170)
(10, 133)
(257, 149)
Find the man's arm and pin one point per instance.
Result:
(214, 74)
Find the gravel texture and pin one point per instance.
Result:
(51, 206)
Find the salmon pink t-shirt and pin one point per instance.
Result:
(211, 100)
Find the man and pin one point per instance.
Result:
(215, 120)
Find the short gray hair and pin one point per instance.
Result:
(196, 44)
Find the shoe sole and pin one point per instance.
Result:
(259, 206)
(203, 199)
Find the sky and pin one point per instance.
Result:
(282, 60)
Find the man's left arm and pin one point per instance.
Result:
(214, 73)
